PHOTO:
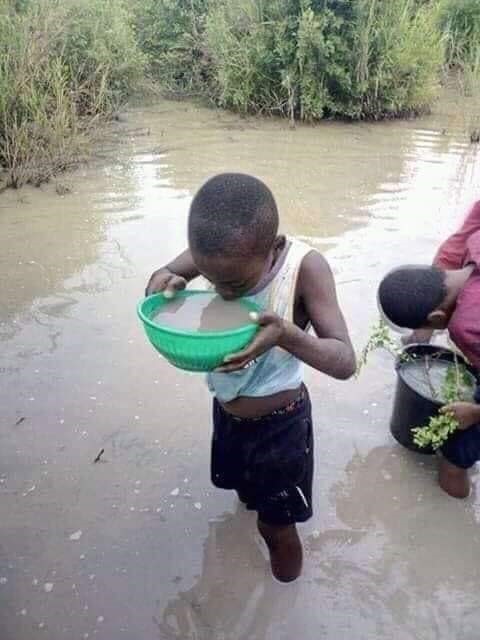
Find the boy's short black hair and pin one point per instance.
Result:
(234, 214)
(408, 295)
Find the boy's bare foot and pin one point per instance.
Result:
(453, 480)
(285, 550)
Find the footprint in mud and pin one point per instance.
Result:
(334, 539)
(133, 217)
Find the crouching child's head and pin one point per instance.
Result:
(416, 297)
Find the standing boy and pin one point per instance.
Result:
(262, 426)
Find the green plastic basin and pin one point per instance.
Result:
(193, 350)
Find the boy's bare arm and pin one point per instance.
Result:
(330, 350)
(173, 276)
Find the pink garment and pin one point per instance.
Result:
(452, 253)
(464, 325)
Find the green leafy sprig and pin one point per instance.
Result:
(455, 387)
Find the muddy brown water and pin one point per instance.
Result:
(203, 313)
(433, 379)
(140, 546)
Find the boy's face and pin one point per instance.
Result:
(232, 277)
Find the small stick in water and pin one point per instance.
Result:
(97, 459)
(20, 420)
(426, 363)
(457, 374)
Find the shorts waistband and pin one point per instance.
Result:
(291, 407)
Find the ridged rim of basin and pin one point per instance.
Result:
(199, 335)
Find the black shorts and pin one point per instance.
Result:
(268, 460)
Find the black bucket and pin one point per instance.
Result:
(410, 408)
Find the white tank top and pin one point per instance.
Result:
(277, 370)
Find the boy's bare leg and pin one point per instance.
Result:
(453, 480)
(285, 548)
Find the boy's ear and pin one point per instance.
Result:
(438, 319)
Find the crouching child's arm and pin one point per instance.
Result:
(330, 350)
(467, 414)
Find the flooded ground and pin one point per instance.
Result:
(139, 546)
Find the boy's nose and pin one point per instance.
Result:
(227, 294)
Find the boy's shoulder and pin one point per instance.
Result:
(312, 262)
(314, 271)
(315, 282)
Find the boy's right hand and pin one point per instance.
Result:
(163, 280)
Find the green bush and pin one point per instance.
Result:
(65, 63)
(171, 34)
(460, 22)
(250, 51)
(62, 65)
(399, 52)
(100, 51)
(307, 59)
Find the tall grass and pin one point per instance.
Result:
(66, 64)
(63, 66)
(460, 24)
(171, 34)
(311, 59)
(399, 53)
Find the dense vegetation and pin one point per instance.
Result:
(309, 59)
(303, 58)
(460, 26)
(65, 64)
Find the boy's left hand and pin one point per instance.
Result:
(465, 413)
(272, 329)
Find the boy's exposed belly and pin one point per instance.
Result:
(248, 407)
